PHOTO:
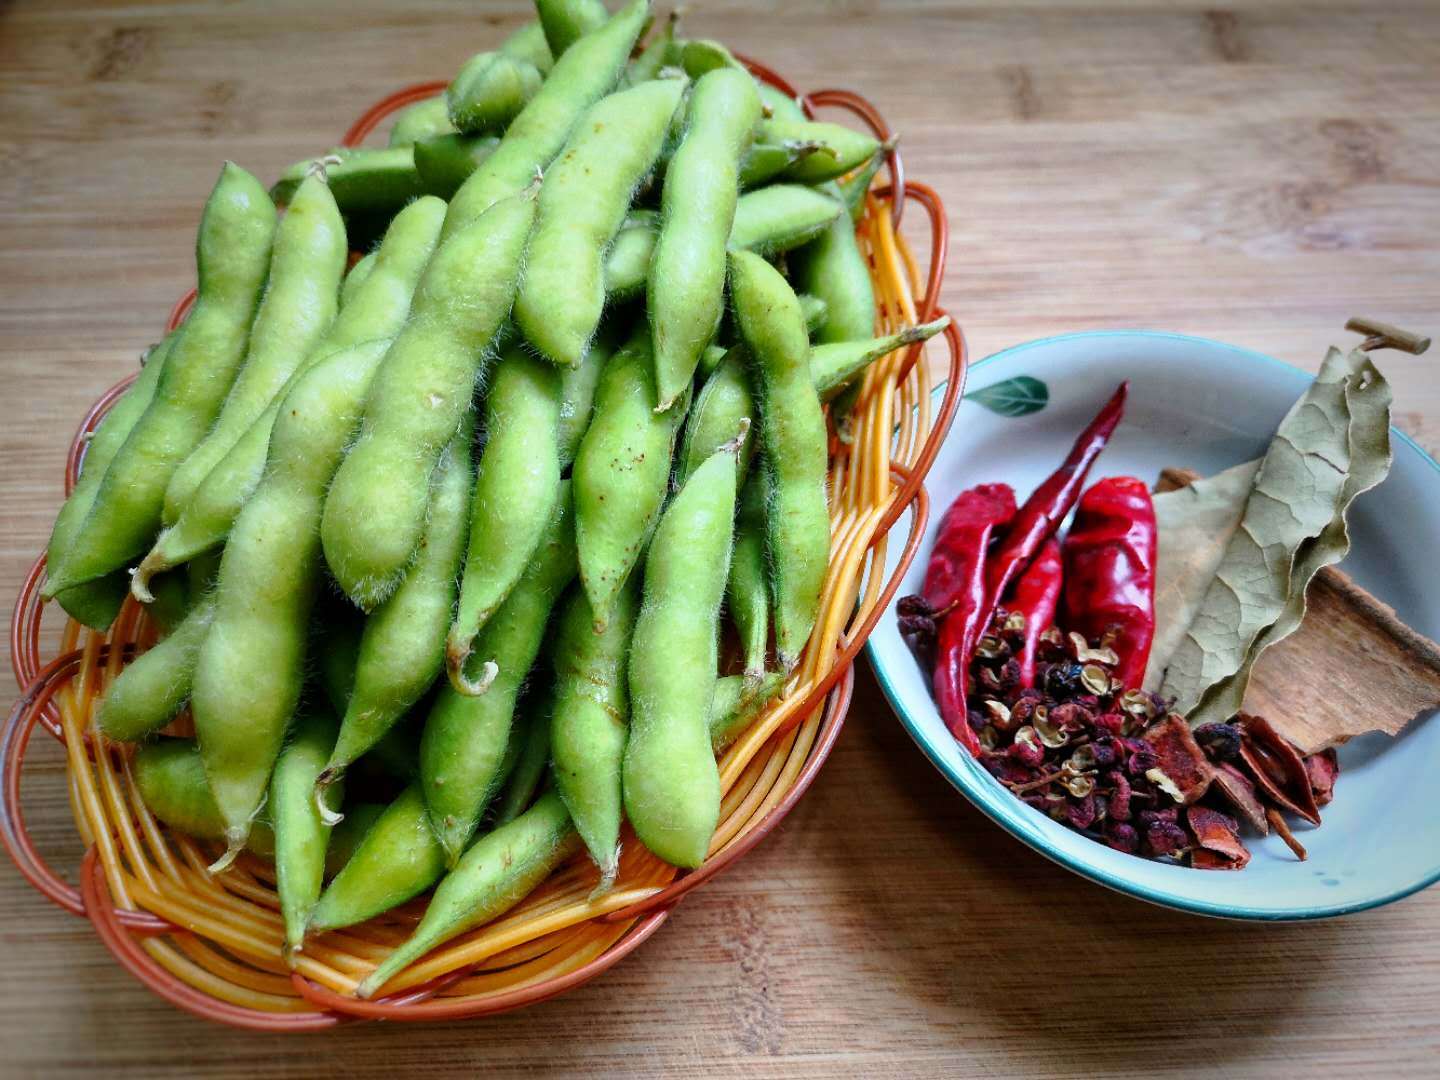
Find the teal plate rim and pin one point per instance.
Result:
(1004, 810)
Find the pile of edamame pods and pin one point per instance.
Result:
(465, 526)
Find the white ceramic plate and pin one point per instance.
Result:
(1206, 406)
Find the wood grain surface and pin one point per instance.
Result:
(1255, 172)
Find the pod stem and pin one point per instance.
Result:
(463, 684)
(234, 844)
(322, 786)
(151, 565)
(609, 870)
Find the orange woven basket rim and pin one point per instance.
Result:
(40, 682)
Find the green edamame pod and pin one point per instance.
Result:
(815, 311)
(398, 859)
(748, 589)
(701, 55)
(780, 105)
(621, 472)
(834, 365)
(715, 416)
(832, 268)
(465, 737)
(421, 121)
(528, 773)
(444, 162)
(495, 875)
(364, 181)
(402, 646)
(490, 91)
(628, 262)
(765, 161)
(670, 781)
(781, 217)
(686, 283)
(738, 699)
(345, 837)
(301, 832)
(793, 430)
(589, 719)
(577, 395)
(252, 662)
(301, 298)
(232, 254)
(355, 278)
(170, 777)
(517, 486)
(567, 21)
(582, 207)
(154, 687)
(375, 510)
(841, 148)
(585, 74)
(377, 311)
(171, 603)
(96, 603)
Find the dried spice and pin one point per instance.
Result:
(1185, 769)
(1036, 598)
(1277, 769)
(1218, 837)
(1239, 792)
(1323, 769)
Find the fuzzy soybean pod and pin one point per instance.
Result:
(835, 364)
(375, 511)
(781, 217)
(670, 782)
(590, 717)
(832, 267)
(780, 105)
(583, 203)
(621, 473)
(722, 403)
(377, 311)
(421, 121)
(686, 285)
(154, 687)
(171, 780)
(842, 148)
(465, 738)
(301, 298)
(528, 773)
(747, 591)
(444, 162)
(402, 646)
(658, 53)
(793, 430)
(398, 859)
(96, 603)
(499, 871)
(587, 72)
(302, 832)
(517, 486)
(567, 21)
(252, 662)
(577, 395)
(628, 261)
(489, 91)
(738, 700)
(528, 43)
(232, 254)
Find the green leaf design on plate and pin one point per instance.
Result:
(1019, 396)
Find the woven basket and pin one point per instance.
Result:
(212, 945)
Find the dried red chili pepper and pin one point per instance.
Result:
(955, 589)
(960, 544)
(1110, 572)
(1042, 513)
(1036, 596)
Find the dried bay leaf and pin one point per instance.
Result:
(1295, 497)
(1367, 398)
(1195, 523)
